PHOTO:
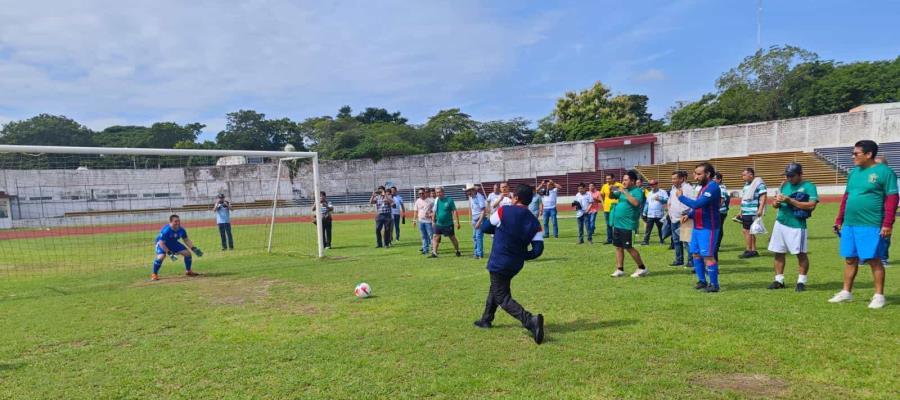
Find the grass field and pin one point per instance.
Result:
(288, 326)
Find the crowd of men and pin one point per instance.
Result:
(690, 216)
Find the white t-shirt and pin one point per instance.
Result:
(550, 199)
(585, 201)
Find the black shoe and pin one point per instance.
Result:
(776, 285)
(800, 287)
(701, 285)
(580, 242)
(676, 264)
(745, 254)
(458, 254)
(607, 242)
(483, 324)
(432, 255)
(537, 328)
(753, 254)
(711, 289)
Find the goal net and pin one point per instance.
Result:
(68, 209)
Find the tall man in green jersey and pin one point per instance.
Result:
(865, 219)
(795, 203)
(624, 219)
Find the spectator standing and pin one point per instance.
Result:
(424, 211)
(478, 208)
(383, 219)
(583, 201)
(536, 206)
(753, 206)
(655, 211)
(222, 208)
(549, 200)
(704, 210)
(865, 219)
(444, 211)
(398, 212)
(795, 202)
(326, 209)
(596, 204)
(608, 203)
(723, 210)
(677, 209)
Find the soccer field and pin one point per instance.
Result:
(288, 326)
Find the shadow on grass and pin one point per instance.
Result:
(583, 325)
(11, 366)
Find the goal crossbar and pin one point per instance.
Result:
(153, 152)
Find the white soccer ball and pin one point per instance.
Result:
(362, 290)
(289, 147)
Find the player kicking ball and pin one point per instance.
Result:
(514, 228)
(167, 244)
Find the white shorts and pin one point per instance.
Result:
(788, 240)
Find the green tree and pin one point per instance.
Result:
(250, 130)
(595, 112)
(372, 115)
(448, 123)
(515, 132)
(46, 130)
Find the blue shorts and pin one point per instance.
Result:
(174, 247)
(703, 242)
(863, 242)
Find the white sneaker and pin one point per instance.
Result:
(877, 301)
(841, 297)
(618, 273)
(639, 273)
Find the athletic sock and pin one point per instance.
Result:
(713, 271)
(187, 263)
(698, 269)
(156, 265)
(642, 266)
(780, 278)
(620, 268)
(801, 279)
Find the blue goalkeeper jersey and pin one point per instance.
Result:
(705, 209)
(171, 237)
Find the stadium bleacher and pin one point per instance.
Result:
(842, 157)
(769, 166)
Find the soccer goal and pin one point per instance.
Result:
(90, 209)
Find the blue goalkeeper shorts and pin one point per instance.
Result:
(703, 242)
(174, 247)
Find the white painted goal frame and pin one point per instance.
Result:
(282, 156)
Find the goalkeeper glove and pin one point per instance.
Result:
(197, 251)
(173, 256)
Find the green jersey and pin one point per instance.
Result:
(624, 215)
(443, 211)
(866, 190)
(786, 212)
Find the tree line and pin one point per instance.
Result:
(775, 83)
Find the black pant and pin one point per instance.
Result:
(225, 233)
(722, 219)
(499, 295)
(383, 224)
(326, 232)
(649, 228)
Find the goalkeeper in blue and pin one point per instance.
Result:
(705, 213)
(167, 244)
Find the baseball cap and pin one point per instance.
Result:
(221, 196)
(793, 169)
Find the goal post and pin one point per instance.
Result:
(62, 207)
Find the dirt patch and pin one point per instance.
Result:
(753, 385)
(234, 292)
(165, 280)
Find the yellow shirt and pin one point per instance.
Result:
(608, 202)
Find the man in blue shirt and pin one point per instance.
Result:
(514, 228)
(477, 206)
(705, 213)
(398, 212)
(167, 244)
(222, 208)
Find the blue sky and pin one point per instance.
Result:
(115, 62)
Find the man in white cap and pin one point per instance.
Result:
(477, 207)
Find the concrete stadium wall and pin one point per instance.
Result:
(879, 122)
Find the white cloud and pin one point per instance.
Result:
(142, 61)
(651, 74)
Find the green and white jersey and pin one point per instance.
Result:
(750, 207)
